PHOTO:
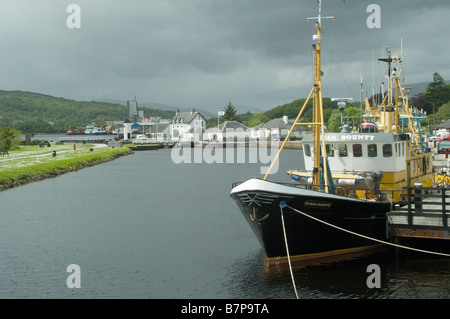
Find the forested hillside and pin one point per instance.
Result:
(33, 112)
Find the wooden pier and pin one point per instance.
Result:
(423, 214)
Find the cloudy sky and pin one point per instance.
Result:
(206, 53)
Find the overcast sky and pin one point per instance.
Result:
(206, 53)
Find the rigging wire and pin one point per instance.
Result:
(358, 15)
(283, 204)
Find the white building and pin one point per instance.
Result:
(159, 132)
(186, 127)
(276, 129)
(227, 131)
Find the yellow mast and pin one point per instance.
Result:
(318, 126)
(318, 129)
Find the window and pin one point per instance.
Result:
(330, 150)
(372, 150)
(387, 150)
(357, 150)
(343, 152)
(307, 150)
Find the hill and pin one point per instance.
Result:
(35, 112)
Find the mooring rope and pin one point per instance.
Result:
(360, 235)
(283, 204)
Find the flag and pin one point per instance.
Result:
(221, 113)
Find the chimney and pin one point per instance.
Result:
(285, 119)
(178, 112)
(192, 111)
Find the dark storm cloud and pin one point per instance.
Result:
(206, 53)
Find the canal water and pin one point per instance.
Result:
(143, 226)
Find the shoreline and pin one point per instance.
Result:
(41, 171)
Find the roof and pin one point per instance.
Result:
(278, 123)
(187, 117)
(231, 125)
(159, 128)
(445, 125)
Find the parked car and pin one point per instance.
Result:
(442, 146)
(444, 138)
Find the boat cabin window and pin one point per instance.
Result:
(357, 150)
(387, 150)
(372, 150)
(307, 150)
(343, 150)
(330, 150)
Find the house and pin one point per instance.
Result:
(159, 132)
(227, 131)
(276, 129)
(187, 126)
(445, 126)
(114, 127)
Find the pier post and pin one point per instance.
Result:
(418, 197)
(444, 208)
(409, 199)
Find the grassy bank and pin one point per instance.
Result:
(33, 163)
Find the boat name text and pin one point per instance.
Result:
(317, 204)
(350, 137)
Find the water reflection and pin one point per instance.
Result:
(402, 277)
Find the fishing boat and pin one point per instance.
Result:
(338, 204)
(75, 131)
(94, 130)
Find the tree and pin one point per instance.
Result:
(438, 82)
(256, 119)
(334, 122)
(444, 112)
(230, 113)
(9, 139)
(438, 93)
(421, 103)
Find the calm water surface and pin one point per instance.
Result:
(144, 227)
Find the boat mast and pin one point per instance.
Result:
(318, 119)
(317, 123)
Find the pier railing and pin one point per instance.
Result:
(423, 201)
(423, 212)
